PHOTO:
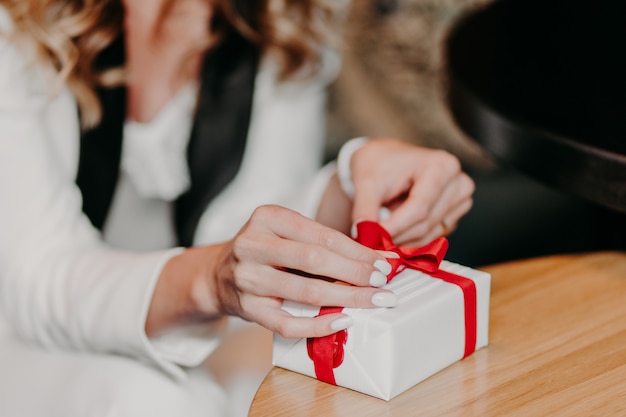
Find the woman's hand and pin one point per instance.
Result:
(256, 273)
(279, 255)
(424, 189)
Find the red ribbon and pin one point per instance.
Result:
(327, 351)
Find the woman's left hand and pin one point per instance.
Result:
(425, 190)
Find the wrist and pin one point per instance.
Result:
(203, 295)
(183, 293)
(344, 172)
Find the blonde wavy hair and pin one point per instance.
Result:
(68, 35)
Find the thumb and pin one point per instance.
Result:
(366, 204)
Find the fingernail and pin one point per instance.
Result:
(353, 229)
(341, 323)
(383, 214)
(383, 266)
(384, 299)
(378, 279)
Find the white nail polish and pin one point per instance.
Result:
(378, 279)
(353, 229)
(384, 299)
(383, 266)
(383, 214)
(341, 323)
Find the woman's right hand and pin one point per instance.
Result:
(280, 255)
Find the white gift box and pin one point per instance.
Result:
(389, 350)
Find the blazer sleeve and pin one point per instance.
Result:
(60, 285)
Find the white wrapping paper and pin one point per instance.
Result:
(389, 350)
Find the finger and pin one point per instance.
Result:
(311, 247)
(292, 226)
(318, 260)
(445, 211)
(288, 326)
(366, 202)
(421, 199)
(270, 282)
(456, 201)
(456, 215)
(268, 313)
(425, 232)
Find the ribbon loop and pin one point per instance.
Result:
(424, 258)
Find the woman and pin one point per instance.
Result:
(120, 258)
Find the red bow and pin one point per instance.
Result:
(327, 352)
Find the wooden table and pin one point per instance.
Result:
(557, 348)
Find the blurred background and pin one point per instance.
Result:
(393, 83)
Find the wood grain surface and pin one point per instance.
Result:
(557, 348)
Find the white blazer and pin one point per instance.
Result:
(61, 283)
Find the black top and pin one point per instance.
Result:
(215, 147)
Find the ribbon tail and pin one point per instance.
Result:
(321, 350)
(326, 352)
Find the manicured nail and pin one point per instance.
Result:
(341, 323)
(383, 266)
(383, 214)
(353, 229)
(378, 279)
(384, 299)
